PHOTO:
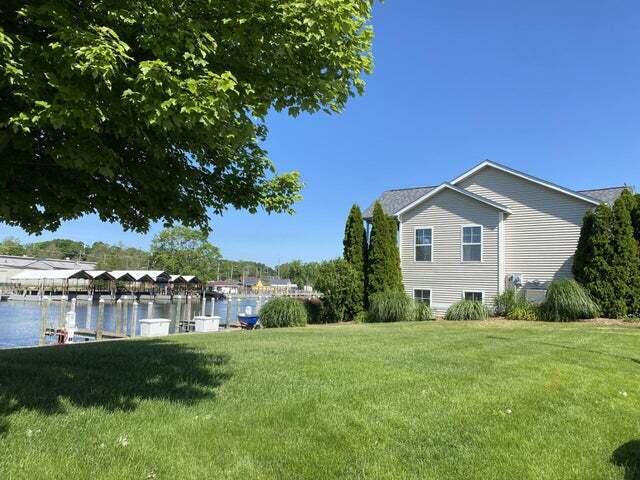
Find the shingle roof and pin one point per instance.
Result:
(394, 200)
(605, 195)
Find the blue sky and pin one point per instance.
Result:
(548, 87)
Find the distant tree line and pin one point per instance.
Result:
(176, 250)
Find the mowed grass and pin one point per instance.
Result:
(491, 400)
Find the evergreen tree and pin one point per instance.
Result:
(592, 264)
(635, 217)
(383, 262)
(355, 245)
(626, 262)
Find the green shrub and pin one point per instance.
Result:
(505, 301)
(567, 301)
(390, 307)
(422, 312)
(283, 312)
(339, 281)
(467, 310)
(361, 317)
(314, 310)
(523, 311)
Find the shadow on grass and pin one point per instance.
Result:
(578, 349)
(114, 376)
(627, 456)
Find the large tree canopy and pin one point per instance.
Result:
(147, 110)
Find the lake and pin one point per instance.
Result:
(20, 321)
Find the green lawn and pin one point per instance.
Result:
(434, 400)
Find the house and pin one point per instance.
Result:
(228, 287)
(281, 284)
(489, 228)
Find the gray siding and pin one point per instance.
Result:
(447, 276)
(542, 233)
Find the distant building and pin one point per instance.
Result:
(225, 286)
(282, 284)
(12, 265)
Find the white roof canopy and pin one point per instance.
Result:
(51, 275)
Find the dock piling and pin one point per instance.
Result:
(44, 319)
(150, 309)
(178, 319)
(100, 321)
(118, 315)
(87, 319)
(134, 319)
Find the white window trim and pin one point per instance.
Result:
(464, 293)
(462, 244)
(415, 230)
(430, 294)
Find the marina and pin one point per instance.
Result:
(32, 323)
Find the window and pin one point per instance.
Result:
(472, 243)
(422, 296)
(474, 296)
(424, 244)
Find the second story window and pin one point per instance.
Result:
(472, 243)
(424, 244)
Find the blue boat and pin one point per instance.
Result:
(250, 321)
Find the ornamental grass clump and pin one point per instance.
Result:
(467, 310)
(505, 301)
(523, 311)
(422, 312)
(283, 312)
(567, 301)
(390, 307)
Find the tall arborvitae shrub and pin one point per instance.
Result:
(635, 217)
(355, 245)
(383, 259)
(626, 262)
(592, 265)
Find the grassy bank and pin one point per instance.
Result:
(424, 400)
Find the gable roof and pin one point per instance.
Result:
(453, 188)
(396, 199)
(51, 275)
(526, 176)
(604, 195)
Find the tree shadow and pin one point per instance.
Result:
(115, 376)
(627, 456)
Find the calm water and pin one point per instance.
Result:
(20, 321)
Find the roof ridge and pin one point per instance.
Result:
(410, 188)
(603, 188)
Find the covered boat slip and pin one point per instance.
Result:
(154, 285)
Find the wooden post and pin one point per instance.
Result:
(213, 306)
(188, 312)
(100, 321)
(118, 315)
(150, 309)
(73, 305)
(203, 307)
(44, 319)
(176, 327)
(134, 319)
